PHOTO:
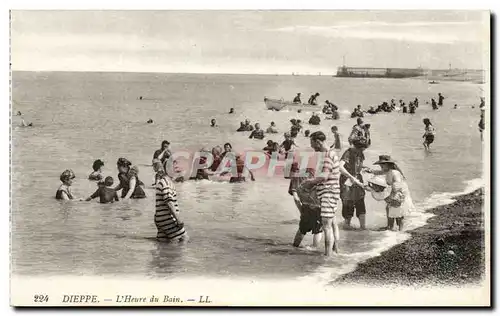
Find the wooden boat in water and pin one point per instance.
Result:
(278, 105)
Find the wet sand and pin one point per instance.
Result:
(448, 250)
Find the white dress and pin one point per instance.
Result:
(407, 204)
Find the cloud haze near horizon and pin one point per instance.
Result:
(246, 41)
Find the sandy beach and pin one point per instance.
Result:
(447, 250)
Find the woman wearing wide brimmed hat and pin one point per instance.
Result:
(399, 202)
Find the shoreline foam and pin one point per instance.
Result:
(392, 239)
(448, 249)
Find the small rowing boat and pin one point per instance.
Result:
(278, 105)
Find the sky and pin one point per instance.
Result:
(253, 42)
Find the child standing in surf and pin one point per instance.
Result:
(308, 205)
(399, 201)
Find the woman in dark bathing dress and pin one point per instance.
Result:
(128, 177)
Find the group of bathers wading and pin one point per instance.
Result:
(316, 193)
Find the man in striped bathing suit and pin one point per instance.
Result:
(328, 190)
(170, 227)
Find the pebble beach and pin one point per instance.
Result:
(449, 250)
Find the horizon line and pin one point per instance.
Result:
(318, 74)
(181, 73)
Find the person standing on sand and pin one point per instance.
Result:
(399, 202)
(428, 134)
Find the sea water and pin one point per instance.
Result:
(237, 230)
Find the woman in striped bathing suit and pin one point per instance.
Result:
(169, 225)
(328, 190)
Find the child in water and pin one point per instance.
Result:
(337, 145)
(269, 147)
(308, 205)
(396, 210)
(394, 199)
(288, 144)
(398, 202)
(428, 134)
(105, 192)
(96, 175)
